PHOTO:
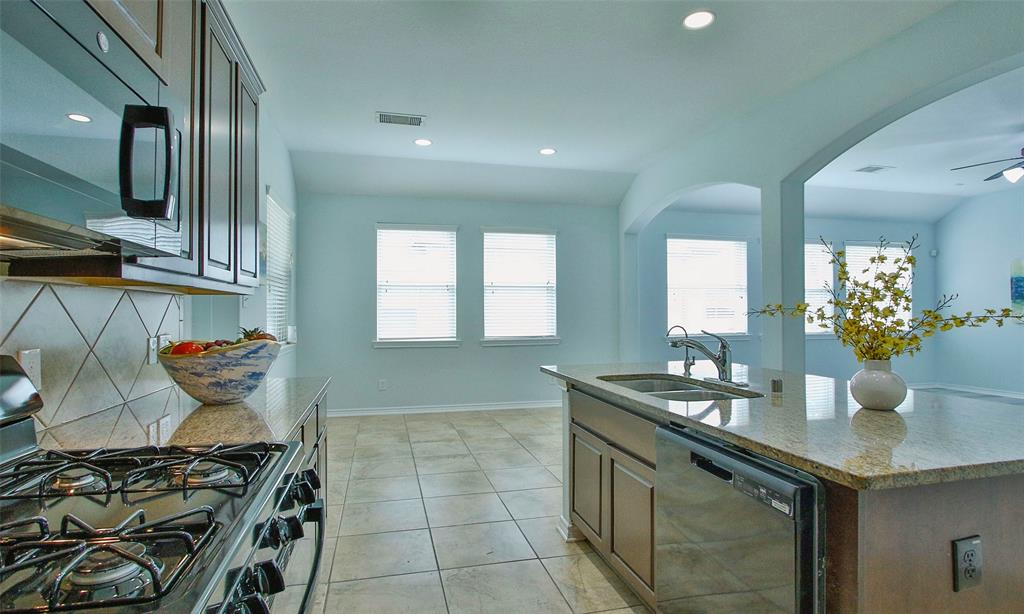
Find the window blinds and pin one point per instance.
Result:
(415, 283)
(858, 258)
(817, 277)
(279, 269)
(707, 285)
(520, 295)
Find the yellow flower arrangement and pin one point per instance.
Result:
(866, 310)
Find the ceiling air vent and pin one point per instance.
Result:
(874, 168)
(400, 119)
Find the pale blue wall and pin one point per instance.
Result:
(976, 243)
(825, 356)
(337, 303)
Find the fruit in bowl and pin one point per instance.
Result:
(222, 371)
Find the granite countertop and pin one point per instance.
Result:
(816, 426)
(271, 413)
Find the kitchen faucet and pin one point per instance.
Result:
(722, 360)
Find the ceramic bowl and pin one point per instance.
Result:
(222, 375)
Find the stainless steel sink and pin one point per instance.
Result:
(650, 384)
(673, 388)
(695, 395)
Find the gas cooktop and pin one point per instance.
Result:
(127, 527)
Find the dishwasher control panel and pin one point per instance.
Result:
(764, 494)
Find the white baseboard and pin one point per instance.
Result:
(424, 409)
(1013, 394)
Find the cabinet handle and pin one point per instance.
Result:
(142, 116)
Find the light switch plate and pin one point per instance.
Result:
(32, 362)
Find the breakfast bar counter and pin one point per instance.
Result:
(899, 487)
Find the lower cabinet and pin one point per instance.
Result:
(588, 497)
(612, 490)
(631, 535)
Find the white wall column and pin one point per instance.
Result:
(782, 245)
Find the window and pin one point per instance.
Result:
(415, 283)
(858, 258)
(519, 285)
(817, 279)
(279, 269)
(707, 285)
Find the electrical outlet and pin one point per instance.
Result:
(32, 363)
(967, 562)
(164, 429)
(151, 350)
(153, 433)
(163, 340)
(382, 385)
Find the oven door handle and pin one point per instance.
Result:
(142, 116)
(314, 511)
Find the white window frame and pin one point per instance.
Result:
(522, 339)
(747, 333)
(289, 273)
(816, 332)
(424, 342)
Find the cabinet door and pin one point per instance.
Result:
(181, 68)
(141, 23)
(631, 539)
(218, 152)
(587, 463)
(248, 187)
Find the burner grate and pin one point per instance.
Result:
(83, 566)
(105, 472)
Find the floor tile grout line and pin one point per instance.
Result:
(430, 533)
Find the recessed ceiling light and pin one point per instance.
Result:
(423, 142)
(547, 151)
(1013, 175)
(78, 117)
(698, 20)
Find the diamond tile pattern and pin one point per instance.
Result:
(96, 389)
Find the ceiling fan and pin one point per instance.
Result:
(1012, 173)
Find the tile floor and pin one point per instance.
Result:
(452, 513)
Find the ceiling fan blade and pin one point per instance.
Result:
(1000, 173)
(960, 168)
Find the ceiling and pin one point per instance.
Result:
(980, 123)
(977, 124)
(333, 173)
(609, 84)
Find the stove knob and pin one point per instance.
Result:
(268, 576)
(255, 604)
(310, 477)
(291, 529)
(303, 492)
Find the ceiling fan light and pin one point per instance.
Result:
(1013, 175)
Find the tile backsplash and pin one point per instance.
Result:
(96, 386)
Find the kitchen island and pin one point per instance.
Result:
(899, 486)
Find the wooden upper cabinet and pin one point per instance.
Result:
(218, 166)
(141, 23)
(248, 190)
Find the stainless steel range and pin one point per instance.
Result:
(179, 529)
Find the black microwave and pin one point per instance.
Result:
(90, 136)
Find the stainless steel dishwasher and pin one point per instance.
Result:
(734, 531)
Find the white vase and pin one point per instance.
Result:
(877, 387)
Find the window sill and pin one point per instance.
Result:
(819, 336)
(416, 343)
(509, 341)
